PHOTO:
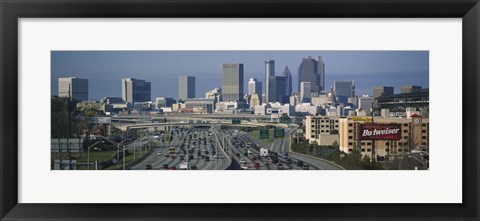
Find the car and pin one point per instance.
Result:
(165, 166)
(166, 155)
(190, 156)
(300, 163)
(242, 160)
(244, 166)
(245, 154)
(288, 161)
(193, 168)
(256, 165)
(249, 151)
(237, 154)
(305, 167)
(173, 168)
(148, 167)
(279, 166)
(265, 162)
(207, 158)
(159, 153)
(254, 158)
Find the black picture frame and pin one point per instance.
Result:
(11, 11)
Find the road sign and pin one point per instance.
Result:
(264, 133)
(236, 121)
(279, 132)
(66, 145)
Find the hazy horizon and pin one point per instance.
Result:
(105, 69)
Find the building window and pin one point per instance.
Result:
(350, 144)
(322, 131)
(424, 143)
(350, 150)
(424, 137)
(363, 143)
(363, 150)
(405, 137)
(424, 131)
(336, 121)
(405, 125)
(405, 131)
(336, 125)
(350, 131)
(350, 137)
(350, 125)
(313, 131)
(369, 143)
(424, 125)
(400, 150)
(313, 136)
(369, 150)
(327, 131)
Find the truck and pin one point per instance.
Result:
(184, 166)
(263, 152)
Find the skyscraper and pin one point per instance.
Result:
(276, 89)
(186, 87)
(135, 90)
(269, 72)
(232, 82)
(305, 92)
(313, 71)
(343, 90)
(73, 87)
(288, 81)
(254, 87)
(321, 72)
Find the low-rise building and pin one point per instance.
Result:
(200, 105)
(308, 109)
(322, 130)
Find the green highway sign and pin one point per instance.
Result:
(264, 133)
(236, 121)
(279, 132)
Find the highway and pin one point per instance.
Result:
(201, 146)
(196, 143)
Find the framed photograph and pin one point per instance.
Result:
(176, 110)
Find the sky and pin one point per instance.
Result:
(105, 69)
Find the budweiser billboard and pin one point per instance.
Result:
(380, 131)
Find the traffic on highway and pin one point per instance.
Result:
(222, 148)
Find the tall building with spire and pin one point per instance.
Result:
(269, 72)
(288, 81)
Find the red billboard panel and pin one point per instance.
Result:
(380, 131)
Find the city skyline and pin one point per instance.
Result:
(105, 69)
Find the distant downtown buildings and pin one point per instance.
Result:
(135, 90)
(232, 82)
(186, 87)
(73, 87)
(313, 71)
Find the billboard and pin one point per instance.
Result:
(380, 131)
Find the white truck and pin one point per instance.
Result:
(263, 152)
(184, 166)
